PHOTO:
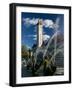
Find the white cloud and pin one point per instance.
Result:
(26, 20)
(34, 37)
(47, 23)
(46, 37)
(32, 21)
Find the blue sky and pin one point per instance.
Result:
(29, 27)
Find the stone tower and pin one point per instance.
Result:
(39, 33)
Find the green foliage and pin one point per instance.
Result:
(24, 52)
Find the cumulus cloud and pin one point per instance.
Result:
(26, 20)
(34, 37)
(47, 23)
(32, 21)
(51, 24)
(46, 37)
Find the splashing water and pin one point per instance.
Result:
(46, 48)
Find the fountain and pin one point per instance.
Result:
(45, 52)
